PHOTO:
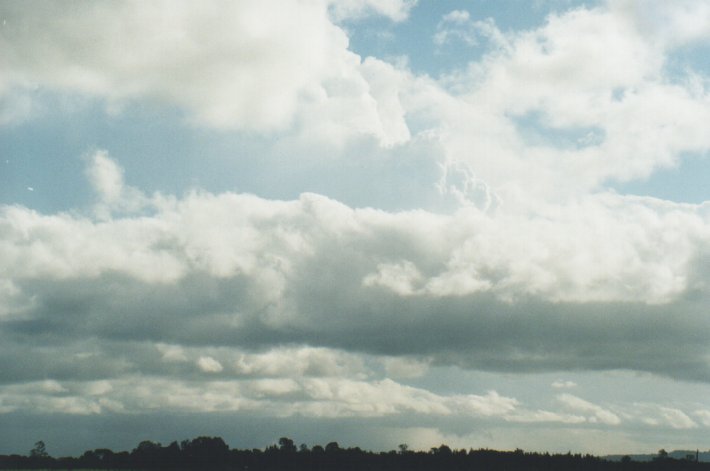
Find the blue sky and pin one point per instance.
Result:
(481, 223)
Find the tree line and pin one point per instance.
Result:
(212, 453)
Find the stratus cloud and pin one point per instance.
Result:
(319, 397)
(562, 384)
(244, 65)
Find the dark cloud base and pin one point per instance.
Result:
(114, 322)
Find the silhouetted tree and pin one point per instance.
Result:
(147, 454)
(332, 447)
(212, 453)
(286, 445)
(39, 450)
(317, 449)
(205, 452)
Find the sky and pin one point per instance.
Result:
(482, 223)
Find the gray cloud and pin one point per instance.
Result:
(306, 314)
(238, 271)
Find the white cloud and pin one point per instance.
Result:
(566, 108)
(676, 418)
(645, 250)
(544, 416)
(396, 10)
(398, 277)
(51, 386)
(457, 26)
(171, 353)
(12, 300)
(457, 16)
(658, 415)
(562, 384)
(598, 413)
(669, 24)
(299, 362)
(209, 365)
(704, 416)
(319, 397)
(250, 65)
(106, 177)
(231, 302)
(48, 397)
(312, 270)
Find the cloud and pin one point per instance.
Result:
(598, 413)
(402, 367)
(106, 178)
(704, 416)
(562, 384)
(233, 65)
(209, 302)
(677, 418)
(300, 362)
(671, 25)
(279, 397)
(609, 282)
(396, 10)
(209, 365)
(659, 415)
(171, 353)
(457, 26)
(546, 112)
(581, 102)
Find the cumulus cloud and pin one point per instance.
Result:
(597, 413)
(704, 416)
(209, 365)
(560, 110)
(671, 24)
(677, 418)
(504, 291)
(546, 112)
(171, 353)
(106, 178)
(241, 65)
(664, 416)
(303, 361)
(230, 302)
